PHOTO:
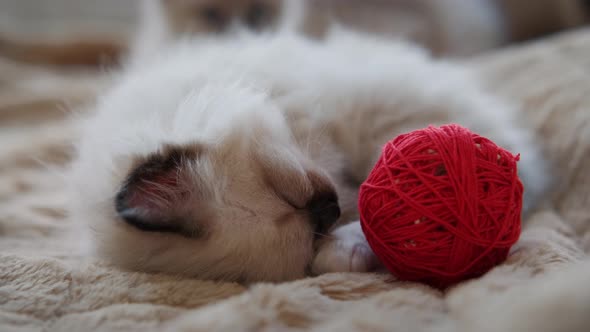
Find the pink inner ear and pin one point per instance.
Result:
(158, 193)
(158, 189)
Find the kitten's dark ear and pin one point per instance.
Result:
(154, 196)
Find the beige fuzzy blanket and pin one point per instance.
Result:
(46, 285)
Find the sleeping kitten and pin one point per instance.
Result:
(241, 159)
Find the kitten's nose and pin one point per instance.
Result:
(324, 210)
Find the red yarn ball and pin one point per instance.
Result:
(441, 205)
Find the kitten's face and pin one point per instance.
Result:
(241, 203)
(216, 16)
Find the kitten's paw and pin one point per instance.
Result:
(346, 251)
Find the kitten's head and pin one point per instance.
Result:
(215, 16)
(207, 184)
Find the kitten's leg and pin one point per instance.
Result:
(346, 250)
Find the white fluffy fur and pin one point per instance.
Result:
(279, 106)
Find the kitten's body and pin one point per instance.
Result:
(219, 158)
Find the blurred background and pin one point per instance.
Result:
(446, 27)
(53, 52)
(57, 19)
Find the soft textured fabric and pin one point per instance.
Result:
(45, 284)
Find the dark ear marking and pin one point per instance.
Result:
(156, 194)
(165, 165)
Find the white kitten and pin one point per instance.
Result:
(234, 159)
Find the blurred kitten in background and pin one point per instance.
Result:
(164, 21)
(160, 22)
(444, 27)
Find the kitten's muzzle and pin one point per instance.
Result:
(324, 211)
